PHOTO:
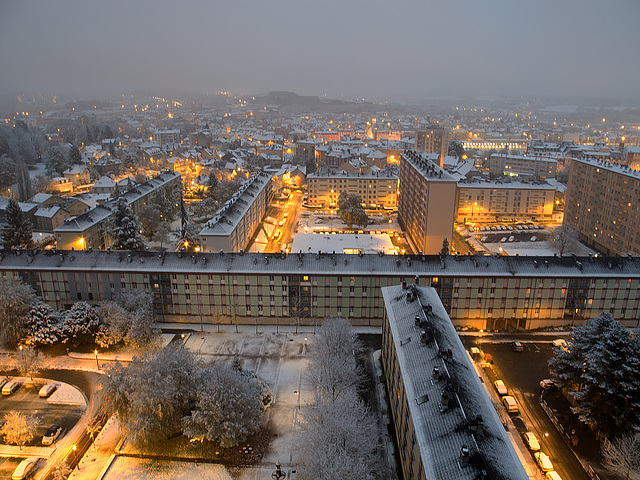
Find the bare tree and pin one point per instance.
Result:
(622, 456)
(29, 361)
(565, 238)
(333, 369)
(61, 471)
(19, 428)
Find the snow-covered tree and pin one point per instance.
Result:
(337, 440)
(128, 318)
(17, 232)
(565, 238)
(7, 171)
(153, 393)
(29, 362)
(602, 362)
(227, 408)
(114, 324)
(74, 156)
(43, 325)
(56, 160)
(333, 370)
(15, 302)
(81, 323)
(61, 471)
(162, 233)
(351, 211)
(18, 428)
(126, 229)
(622, 456)
(150, 220)
(445, 248)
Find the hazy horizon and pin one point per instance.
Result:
(344, 49)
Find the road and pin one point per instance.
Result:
(521, 373)
(289, 223)
(88, 384)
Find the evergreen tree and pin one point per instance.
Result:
(81, 323)
(126, 229)
(44, 325)
(74, 155)
(17, 232)
(445, 248)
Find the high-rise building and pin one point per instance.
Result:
(434, 139)
(426, 203)
(603, 205)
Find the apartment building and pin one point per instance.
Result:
(235, 223)
(426, 202)
(164, 137)
(603, 205)
(440, 409)
(376, 190)
(434, 139)
(91, 230)
(540, 168)
(488, 293)
(492, 201)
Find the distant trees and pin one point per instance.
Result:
(126, 229)
(565, 238)
(162, 233)
(18, 428)
(330, 436)
(15, 302)
(23, 180)
(445, 250)
(166, 392)
(17, 232)
(601, 366)
(351, 211)
(7, 171)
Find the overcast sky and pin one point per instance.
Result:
(344, 48)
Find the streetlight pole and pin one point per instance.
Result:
(544, 435)
(95, 352)
(297, 394)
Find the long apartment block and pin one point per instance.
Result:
(483, 292)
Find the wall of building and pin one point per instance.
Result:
(375, 191)
(477, 203)
(482, 292)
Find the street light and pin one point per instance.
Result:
(544, 435)
(95, 352)
(297, 394)
(75, 455)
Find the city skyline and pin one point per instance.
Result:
(343, 50)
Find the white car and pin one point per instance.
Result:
(53, 432)
(47, 390)
(552, 475)
(531, 441)
(543, 461)
(23, 470)
(11, 387)
(500, 387)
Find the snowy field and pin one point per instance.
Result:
(129, 468)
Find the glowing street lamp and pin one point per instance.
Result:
(95, 352)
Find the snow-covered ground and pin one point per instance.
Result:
(129, 468)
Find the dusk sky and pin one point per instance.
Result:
(345, 48)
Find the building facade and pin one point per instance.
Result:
(434, 139)
(488, 293)
(481, 201)
(540, 168)
(603, 205)
(426, 203)
(164, 137)
(376, 191)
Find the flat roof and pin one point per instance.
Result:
(339, 242)
(325, 263)
(441, 431)
(610, 167)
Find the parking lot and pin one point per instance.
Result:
(60, 408)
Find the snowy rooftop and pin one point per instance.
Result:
(226, 219)
(611, 167)
(442, 431)
(369, 243)
(325, 264)
(532, 158)
(504, 184)
(365, 176)
(427, 167)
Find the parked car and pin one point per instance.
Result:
(510, 404)
(543, 461)
(531, 441)
(26, 467)
(517, 347)
(3, 381)
(548, 384)
(552, 475)
(51, 435)
(500, 387)
(11, 386)
(47, 390)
